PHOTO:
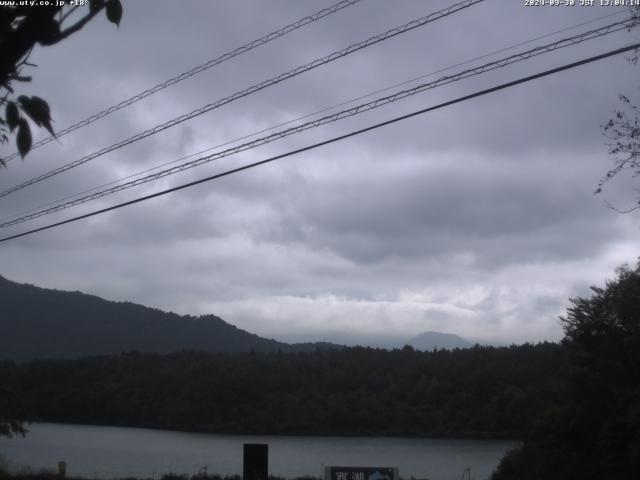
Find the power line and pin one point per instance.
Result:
(194, 71)
(331, 140)
(501, 63)
(317, 112)
(255, 88)
(331, 118)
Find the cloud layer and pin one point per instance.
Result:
(478, 219)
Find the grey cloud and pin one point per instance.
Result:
(477, 219)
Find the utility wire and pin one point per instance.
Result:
(312, 114)
(501, 63)
(308, 115)
(330, 118)
(331, 140)
(178, 79)
(255, 88)
(194, 71)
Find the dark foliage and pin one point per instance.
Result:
(594, 431)
(12, 413)
(623, 130)
(169, 476)
(23, 27)
(623, 133)
(477, 392)
(45, 475)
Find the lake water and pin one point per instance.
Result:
(111, 452)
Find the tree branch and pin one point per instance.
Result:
(69, 12)
(617, 210)
(79, 24)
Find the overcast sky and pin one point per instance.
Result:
(478, 219)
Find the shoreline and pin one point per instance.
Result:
(477, 437)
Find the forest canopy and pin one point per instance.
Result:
(476, 392)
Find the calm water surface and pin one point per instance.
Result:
(108, 452)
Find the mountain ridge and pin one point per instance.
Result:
(430, 340)
(48, 323)
(43, 323)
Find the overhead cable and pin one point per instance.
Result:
(255, 88)
(312, 114)
(379, 102)
(329, 141)
(194, 71)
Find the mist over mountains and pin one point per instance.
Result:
(431, 340)
(45, 323)
(425, 341)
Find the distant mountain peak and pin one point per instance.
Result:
(430, 340)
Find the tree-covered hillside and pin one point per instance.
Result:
(593, 431)
(43, 323)
(477, 392)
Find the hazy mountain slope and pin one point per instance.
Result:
(43, 323)
(431, 340)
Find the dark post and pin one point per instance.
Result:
(256, 461)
